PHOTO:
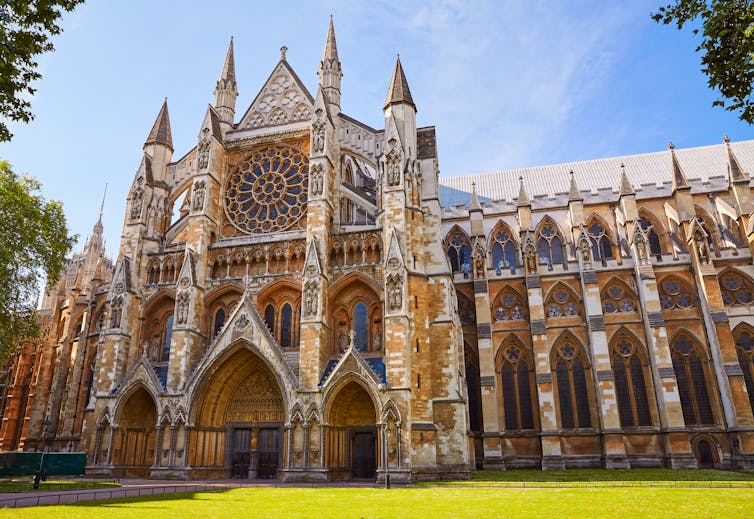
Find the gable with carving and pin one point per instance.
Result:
(283, 99)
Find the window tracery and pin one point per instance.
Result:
(516, 376)
(266, 190)
(655, 247)
(503, 247)
(629, 372)
(571, 382)
(617, 298)
(549, 245)
(675, 295)
(601, 244)
(459, 252)
(736, 289)
(509, 306)
(745, 351)
(561, 302)
(690, 367)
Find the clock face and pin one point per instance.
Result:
(266, 190)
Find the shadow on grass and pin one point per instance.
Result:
(126, 502)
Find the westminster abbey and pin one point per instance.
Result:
(302, 297)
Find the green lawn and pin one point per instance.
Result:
(434, 503)
(25, 485)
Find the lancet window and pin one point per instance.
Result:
(655, 247)
(601, 247)
(745, 351)
(549, 245)
(517, 382)
(691, 373)
(630, 373)
(459, 252)
(503, 247)
(571, 381)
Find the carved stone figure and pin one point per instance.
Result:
(181, 308)
(116, 312)
(530, 256)
(316, 180)
(378, 339)
(202, 152)
(137, 200)
(394, 292)
(310, 299)
(318, 136)
(702, 247)
(342, 342)
(641, 248)
(393, 168)
(480, 269)
(199, 189)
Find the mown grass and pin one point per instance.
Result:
(435, 503)
(23, 485)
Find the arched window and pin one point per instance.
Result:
(167, 336)
(549, 245)
(474, 390)
(286, 326)
(674, 294)
(629, 372)
(503, 247)
(737, 290)
(707, 226)
(459, 253)
(571, 381)
(269, 318)
(617, 297)
(690, 366)
(745, 350)
(601, 247)
(466, 310)
(509, 306)
(732, 231)
(655, 247)
(361, 326)
(562, 303)
(517, 380)
(219, 322)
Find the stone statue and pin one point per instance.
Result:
(378, 339)
(393, 169)
(316, 179)
(702, 247)
(181, 308)
(116, 312)
(395, 292)
(137, 201)
(342, 341)
(199, 188)
(202, 155)
(318, 136)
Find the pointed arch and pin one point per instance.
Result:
(628, 360)
(550, 243)
(466, 308)
(618, 297)
(390, 412)
(509, 305)
(514, 366)
(573, 382)
(503, 247)
(705, 220)
(676, 293)
(458, 250)
(737, 288)
(601, 236)
(473, 387)
(743, 336)
(562, 301)
(693, 375)
(658, 237)
(296, 413)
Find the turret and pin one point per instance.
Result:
(330, 71)
(226, 91)
(159, 144)
(400, 106)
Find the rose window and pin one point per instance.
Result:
(266, 190)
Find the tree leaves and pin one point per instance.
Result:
(34, 242)
(25, 31)
(727, 47)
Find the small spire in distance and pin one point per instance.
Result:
(574, 194)
(625, 184)
(330, 53)
(160, 133)
(474, 205)
(398, 92)
(735, 172)
(228, 74)
(679, 178)
(523, 196)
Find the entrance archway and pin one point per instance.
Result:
(239, 420)
(134, 440)
(352, 435)
(705, 455)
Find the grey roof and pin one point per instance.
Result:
(160, 133)
(648, 169)
(398, 92)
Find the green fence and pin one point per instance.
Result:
(55, 463)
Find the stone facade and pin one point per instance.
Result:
(300, 297)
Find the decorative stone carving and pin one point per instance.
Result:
(480, 257)
(311, 296)
(584, 247)
(393, 169)
(181, 308)
(137, 201)
(199, 188)
(530, 254)
(242, 322)
(342, 342)
(316, 180)
(394, 292)
(702, 246)
(116, 312)
(318, 133)
(378, 339)
(202, 150)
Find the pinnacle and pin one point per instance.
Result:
(160, 133)
(679, 178)
(625, 184)
(330, 52)
(398, 91)
(474, 204)
(735, 173)
(574, 194)
(228, 73)
(523, 196)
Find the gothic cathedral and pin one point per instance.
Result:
(301, 297)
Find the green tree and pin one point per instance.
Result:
(34, 242)
(727, 47)
(26, 27)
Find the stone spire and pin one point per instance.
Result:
(735, 173)
(523, 196)
(160, 133)
(574, 194)
(226, 90)
(330, 71)
(679, 178)
(625, 184)
(474, 205)
(399, 93)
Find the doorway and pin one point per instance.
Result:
(268, 453)
(706, 458)
(241, 456)
(364, 454)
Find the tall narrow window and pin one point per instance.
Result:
(601, 247)
(689, 365)
(474, 390)
(630, 385)
(166, 338)
(219, 322)
(504, 253)
(745, 350)
(573, 399)
(286, 326)
(550, 246)
(459, 253)
(361, 326)
(269, 318)
(517, 391)
(655, 248)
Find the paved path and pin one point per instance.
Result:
(151, 487)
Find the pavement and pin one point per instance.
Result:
(151, 487)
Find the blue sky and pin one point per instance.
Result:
(507, 83)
